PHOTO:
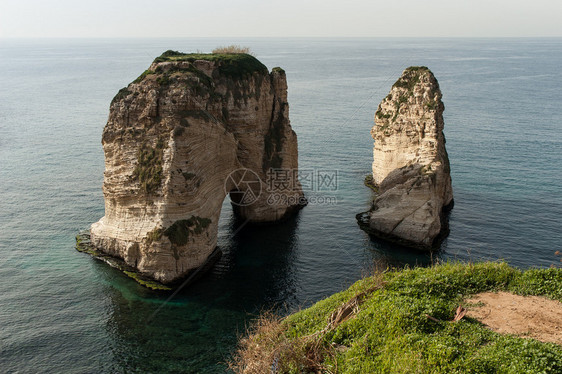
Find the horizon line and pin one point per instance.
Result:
(282, 37)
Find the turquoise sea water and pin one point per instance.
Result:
(63, 312)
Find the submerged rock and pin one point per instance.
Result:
(410, 164)
(187, 132)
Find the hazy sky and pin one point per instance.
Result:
(252, 18)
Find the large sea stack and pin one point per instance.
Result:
(187, 132)
(411, 170)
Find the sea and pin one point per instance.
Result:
(64, 312)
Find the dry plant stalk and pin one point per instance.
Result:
(267, 349)
(232, 49)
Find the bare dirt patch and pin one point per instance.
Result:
(528, 316)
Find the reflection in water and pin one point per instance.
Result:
(389, 255)
(257, 266)
(255, 273)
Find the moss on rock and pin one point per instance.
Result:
(148, 283)
(84, 245)
(411, 78)
(141, 77)
(369, 182)
(180, 231)
(148, 171)
(123, 93)
(153, 236)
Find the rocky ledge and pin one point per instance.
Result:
(188, 131)
(411, 172)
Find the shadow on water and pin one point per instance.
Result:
(257, 266)
(201, 323)
(391, 255)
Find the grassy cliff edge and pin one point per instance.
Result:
(401, 322)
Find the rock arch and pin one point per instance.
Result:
(178, 140)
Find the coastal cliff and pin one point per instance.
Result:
(414, 321)
(188, 131)
(411, 171)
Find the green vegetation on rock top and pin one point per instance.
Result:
(143, 75)
(417, 68)
(388, 329)
(123, 93)
(408, 81)
(231, 64)
(410, 78)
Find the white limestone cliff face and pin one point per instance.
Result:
(410, 164)
(173, 142)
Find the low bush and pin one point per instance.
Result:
(232, 49)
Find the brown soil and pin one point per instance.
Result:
(529, 316)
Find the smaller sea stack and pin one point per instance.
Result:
(411, 171)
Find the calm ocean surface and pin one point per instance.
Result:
(63, 312)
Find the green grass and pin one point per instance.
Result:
(418, 68)
(390, 333)
(165, 77)
(232, 64)
(235, 68)
(410, 78)
(143, 75)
